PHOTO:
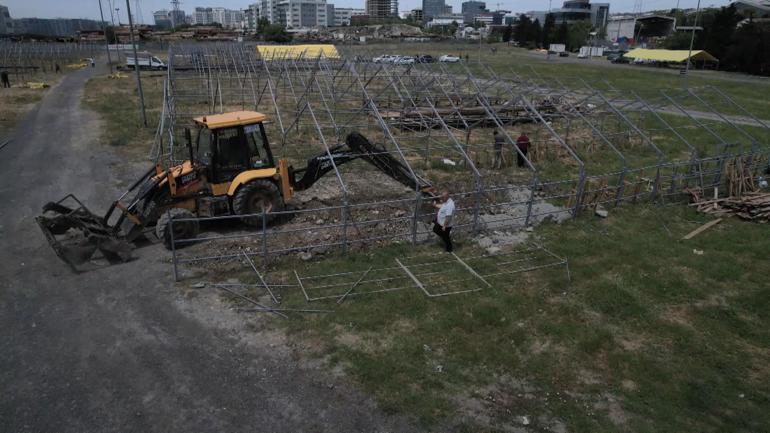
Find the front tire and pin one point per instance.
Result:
(182, 229)
(255, 198)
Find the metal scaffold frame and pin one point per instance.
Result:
(593, 145)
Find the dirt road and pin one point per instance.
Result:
(118, 349)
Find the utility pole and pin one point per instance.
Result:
(692, 42)
(136, 63)
(548, 49)
(106, 40)
(117, 12)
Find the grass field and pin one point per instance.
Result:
(117, 101)
(652, 334)
(597, 73)
(20, 99)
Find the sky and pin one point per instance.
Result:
(90, 8)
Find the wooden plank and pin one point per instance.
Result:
(702, 228)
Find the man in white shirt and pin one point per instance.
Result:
(442, 226)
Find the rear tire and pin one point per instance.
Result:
(254, 198)
(182, 229)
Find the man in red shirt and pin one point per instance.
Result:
(523, 144)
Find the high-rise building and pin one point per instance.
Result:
(162, 19)
(472, 8)
(228, 18)
(432, 8)
(416, 14)
(6, 23)
(329, 15)
(379, 9)
(177, 17)
(394, 8)
(203, 16)
(294, 14)
(343, 16)
(578, 10)
(54, 26)
(251, 18)
(269, 10)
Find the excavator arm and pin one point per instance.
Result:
(358, 147)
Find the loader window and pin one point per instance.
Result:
(259, 153)
(231, 154)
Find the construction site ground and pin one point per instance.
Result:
(120, 348)
(650, 333)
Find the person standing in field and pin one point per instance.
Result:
(5, 80)
(499, 142)
(442, 226)
(523, 144)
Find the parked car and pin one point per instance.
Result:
(146, 61)
(385, 58)
(582, 56)
(618, 58)
(449, 58)
(563, 54)
(425, 59)
(406, 60)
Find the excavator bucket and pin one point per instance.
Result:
(75, 233)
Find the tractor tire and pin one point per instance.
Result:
(254, 197)
(182, 229)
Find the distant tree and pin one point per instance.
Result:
(262, 23)
(508, 33)
(109, 33)
(549, 28)
(677, 41)
(275, 33)
(749, 49)
(535, 33)
(718, 31)
(562, 33)
(521, 33)
(578, 34)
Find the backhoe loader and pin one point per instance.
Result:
(230, 171)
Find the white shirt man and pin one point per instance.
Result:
(443, 225)
(445, 213)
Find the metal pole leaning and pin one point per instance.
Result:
(106, 40)
(173, 244)
(264, 238)
(136, 64)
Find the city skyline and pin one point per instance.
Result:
(90, 9)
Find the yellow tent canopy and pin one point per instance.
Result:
(296, 52)
(679, 56)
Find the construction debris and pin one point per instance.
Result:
(702, 229)
(751, 206)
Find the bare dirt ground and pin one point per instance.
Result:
(119, 349)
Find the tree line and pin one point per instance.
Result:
(741, 43)
(531, 34)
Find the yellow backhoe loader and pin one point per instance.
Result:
(230, 171)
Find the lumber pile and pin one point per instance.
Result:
(752, 206)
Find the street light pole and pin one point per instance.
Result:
(136, 63)
(106, 40)
(692, 42)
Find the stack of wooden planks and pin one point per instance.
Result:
(752, 206)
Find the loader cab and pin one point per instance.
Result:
(231, 143)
